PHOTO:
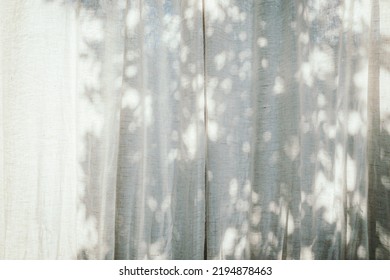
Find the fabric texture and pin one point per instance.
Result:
(218, 129)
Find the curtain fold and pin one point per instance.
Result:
(219, 129)
(160, 190)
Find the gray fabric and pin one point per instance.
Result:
(194, 129)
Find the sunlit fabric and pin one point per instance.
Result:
(214, 129)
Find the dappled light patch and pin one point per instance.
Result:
(385, 180)
(212, 131)
(133, 19)
(229, 241)
(278, 85)
(171, 35)
(292, 147)
(355, 123)
(190, 140)
(262, 42)
(131, 98)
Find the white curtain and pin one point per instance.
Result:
(218, 129)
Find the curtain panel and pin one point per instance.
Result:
(214, 129)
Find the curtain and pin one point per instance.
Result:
(218, 129)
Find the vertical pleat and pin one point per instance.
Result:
(160, 190)
(100, 46)
(230, 112)
(379, 131)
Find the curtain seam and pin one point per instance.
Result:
(205, 117)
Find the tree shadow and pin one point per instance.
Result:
(96, 45)
(160, 190)
(278, 170)
(307, 170)
(379, 188)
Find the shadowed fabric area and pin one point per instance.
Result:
(214, 129)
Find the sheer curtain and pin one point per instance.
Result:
(194, 129)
